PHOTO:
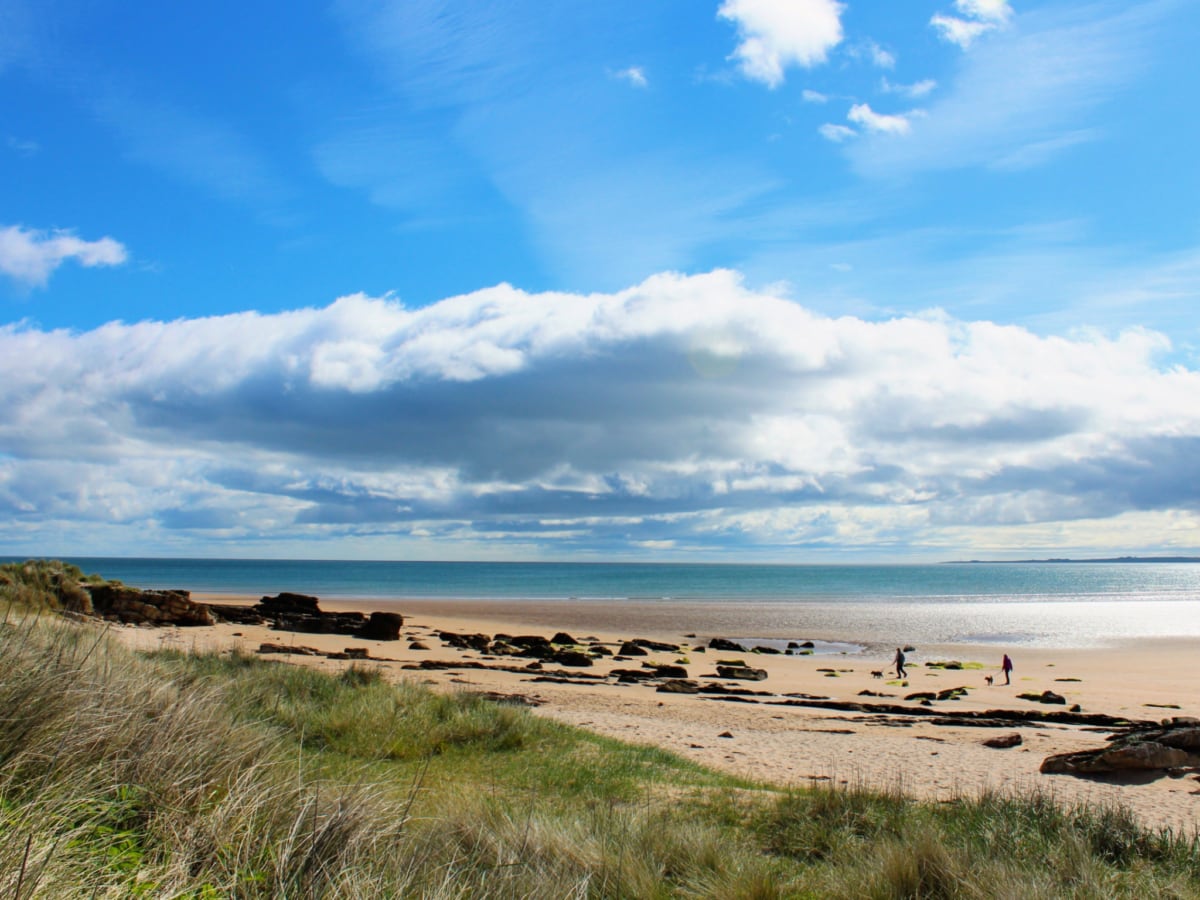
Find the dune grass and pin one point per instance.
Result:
(184, 775)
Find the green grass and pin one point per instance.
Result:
(40, 584)
(181, 775)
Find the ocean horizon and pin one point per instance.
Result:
(1048, 603)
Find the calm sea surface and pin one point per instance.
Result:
(1047, 604)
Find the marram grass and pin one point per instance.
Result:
(179, 775)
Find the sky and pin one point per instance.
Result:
(680, 280)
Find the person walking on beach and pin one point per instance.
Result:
(1006, 667)
(899, 662)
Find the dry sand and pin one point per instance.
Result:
(790, 745)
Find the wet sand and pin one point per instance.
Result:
(780, 744)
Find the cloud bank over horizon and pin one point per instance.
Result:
(687, 415)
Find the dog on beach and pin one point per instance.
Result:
(988, 679)
(877, 674)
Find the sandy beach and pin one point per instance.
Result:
(762, 736)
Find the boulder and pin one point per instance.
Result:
(1182, 739)
(656, 645)
(532, 645)
(668, 671)
(563, 638)
(382, 626)
(629, 648)
(727, 646)
(742, 673)
(574, 658)
(1004, 741)
(679, 686)
(1134, 756)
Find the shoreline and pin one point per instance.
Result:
(750, 620)
(768, 739)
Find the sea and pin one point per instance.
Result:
(1045, 604)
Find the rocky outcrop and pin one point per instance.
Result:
(660, 646)
(678, 686)
(137, 607)
(1045, 697)
(742, 673)
(1174, 744)
(302, 613)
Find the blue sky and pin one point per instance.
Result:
(746, 279)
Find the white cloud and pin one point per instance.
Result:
(982, 16)
(683, 409)
(634, 75)
(915, 91)
(985, 10)
(958, 31)
(30, 256)
(1025, 95)
(880, 57)
(776, 34)
(862, 114)
(810, 96)
(836, 133)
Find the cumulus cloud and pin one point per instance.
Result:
(685, 409)
(862, 114)
(29, 256)
(776, 34)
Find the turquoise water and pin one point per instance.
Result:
(1049, 604)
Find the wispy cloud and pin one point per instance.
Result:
(836, 133)
(29, 256)
(22, 147)
(778, 34)
(711, 410)
(203, 152)
(875, 54)
(976, 18)
(916, 91)
(1030, 91)
(634, 75)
